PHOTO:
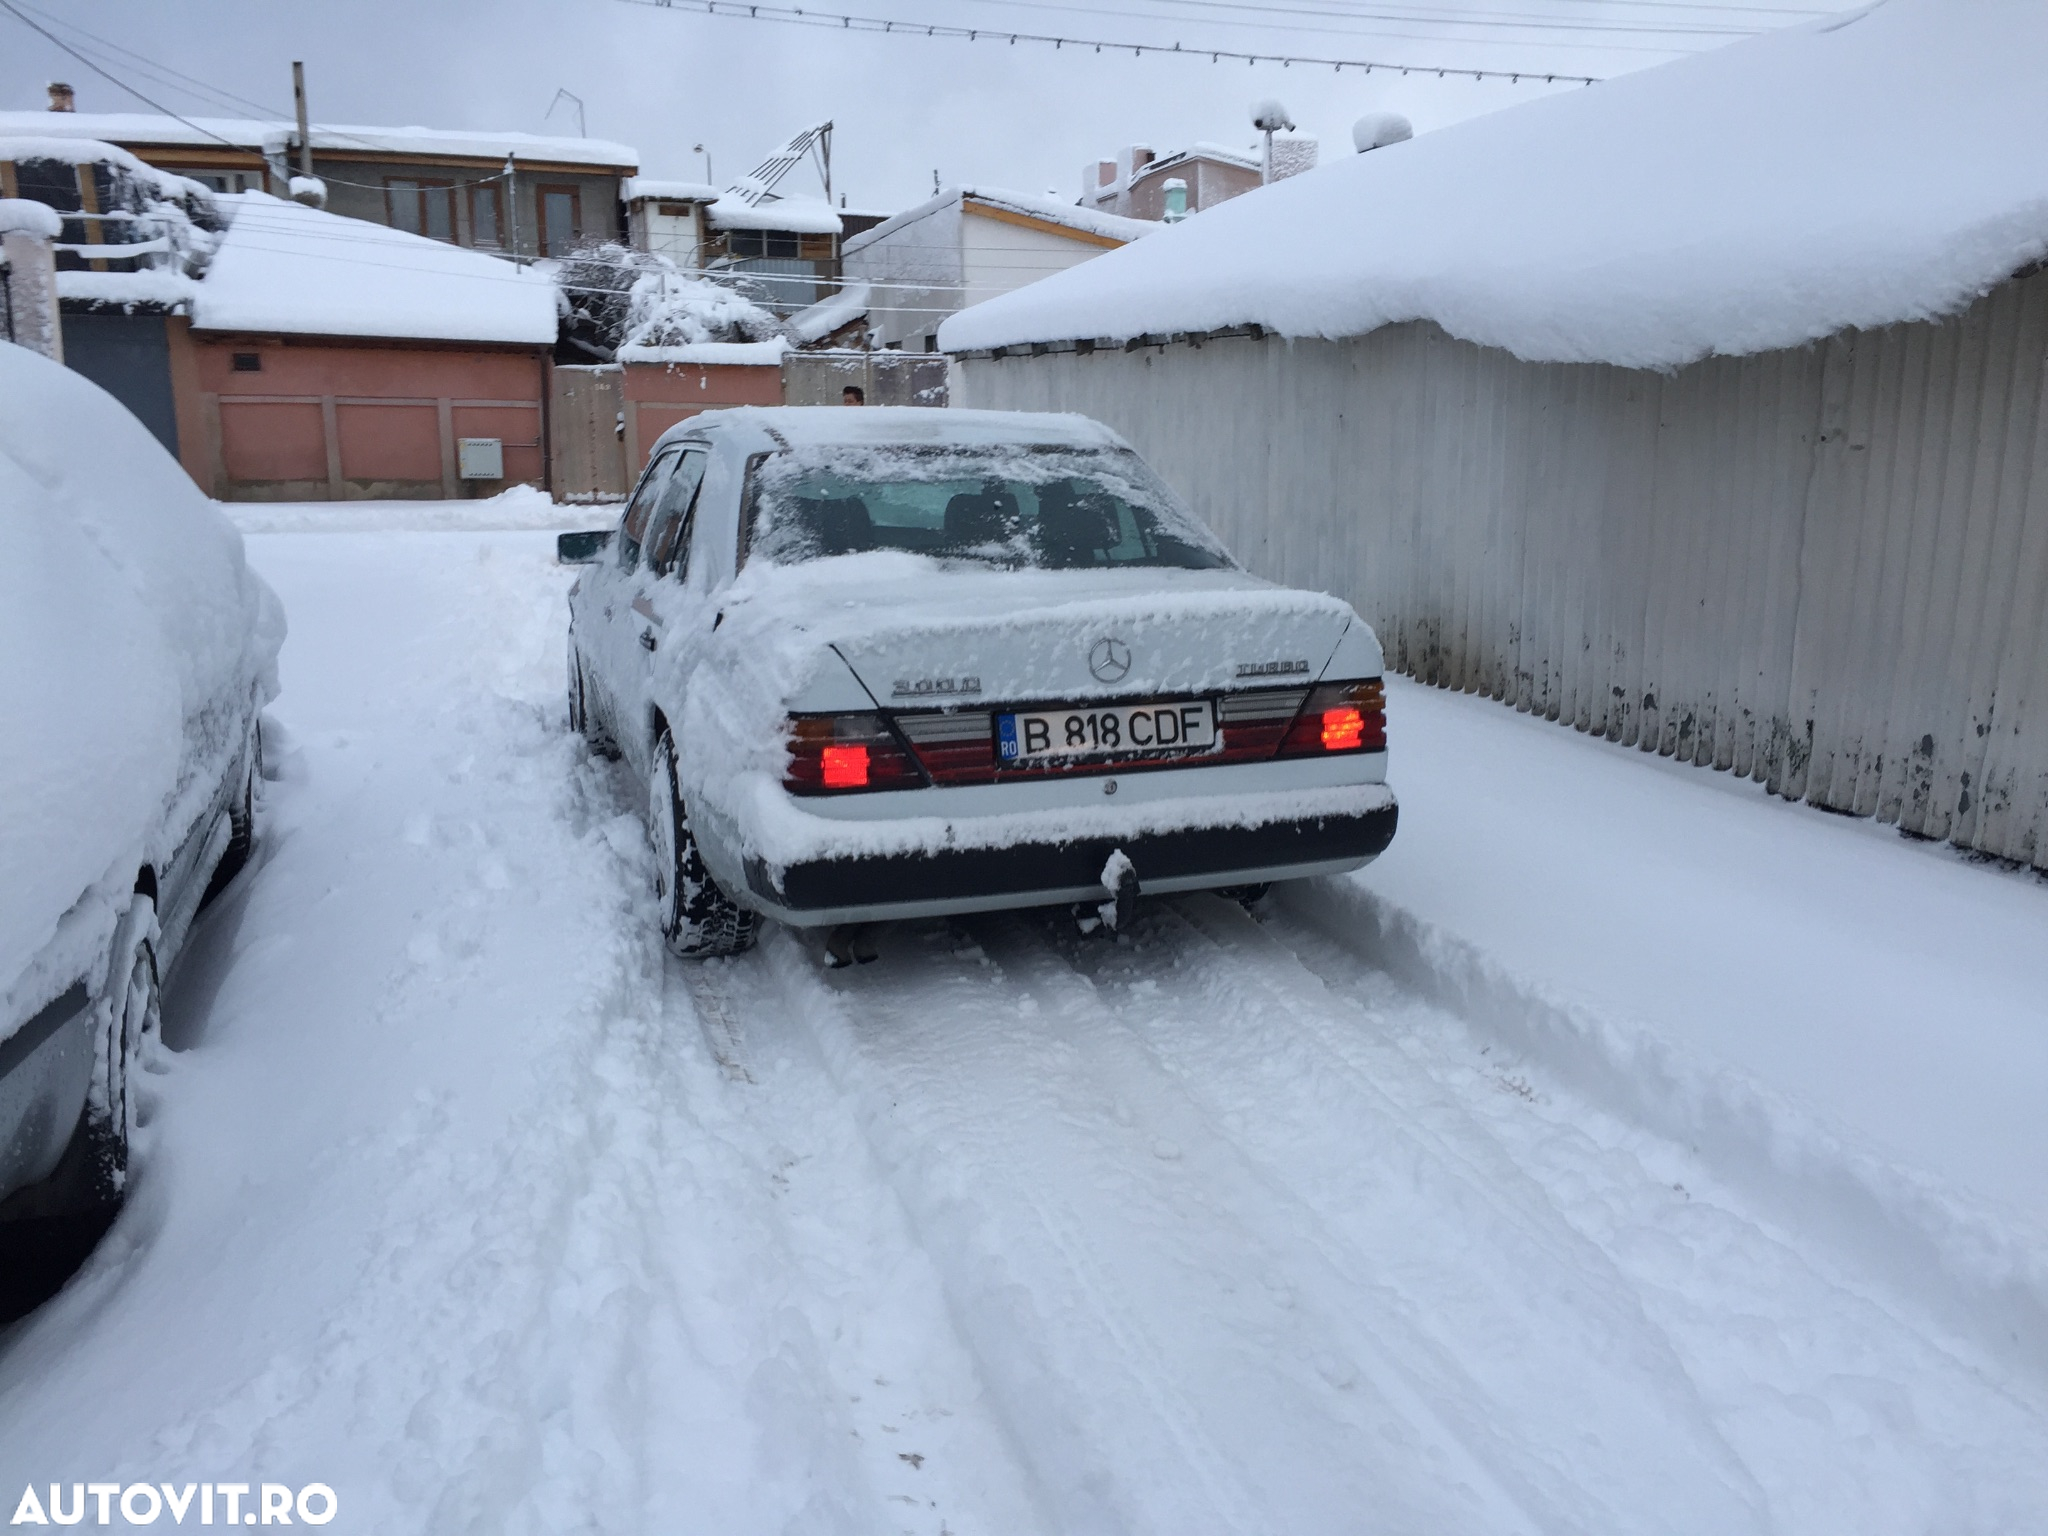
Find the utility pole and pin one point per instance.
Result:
(512, 206)
(305, 134)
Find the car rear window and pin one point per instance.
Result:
(1049, 508)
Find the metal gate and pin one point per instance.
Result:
(586, 432)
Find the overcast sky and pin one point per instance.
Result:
(1024, 116)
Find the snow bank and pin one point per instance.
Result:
(1857, 171)
(744, 354)
(131, 632)
(1985, 1279)
(515, 507)
(285, 268)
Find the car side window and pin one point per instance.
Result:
(633, 527)
(668, 538)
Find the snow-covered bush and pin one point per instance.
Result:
(614, 296)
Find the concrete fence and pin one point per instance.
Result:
(1824, 568)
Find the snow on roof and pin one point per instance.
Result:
(286, 268)
(1873, 167)
(823, 426)
(79, 150)
(156, 287)
(796, 215)
(337, 138)
(1248, 158)
(1106, 225)
(677, 191)
(829, 314)
(139, 128)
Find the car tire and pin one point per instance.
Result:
(48, 1229)
(241, 831)
(698, 920)
(581, 721)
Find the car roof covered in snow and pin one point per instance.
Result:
(826, 426)
(288, 269)
(1875, 166)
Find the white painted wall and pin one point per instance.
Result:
(952, 257)
(1824, 568)
(998, 255)
(917, 274)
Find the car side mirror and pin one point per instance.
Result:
(582, 548)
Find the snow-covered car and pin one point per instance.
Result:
(888, 663)
(136, 651)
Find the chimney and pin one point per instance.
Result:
(61, 97)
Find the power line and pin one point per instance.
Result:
(742, 10)
(1437, 21)
(44, 32)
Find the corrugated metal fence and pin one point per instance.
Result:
(1824, 568)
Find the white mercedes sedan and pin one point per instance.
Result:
(889, 663)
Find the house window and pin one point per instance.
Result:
(483, 215)
(558, 220)
(422, 207)
(248, 362)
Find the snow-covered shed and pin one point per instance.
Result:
(967, 244)
(1702, 408)
(338, 359)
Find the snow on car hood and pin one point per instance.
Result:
(131, 635)
(915, 631)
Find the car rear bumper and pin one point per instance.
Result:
(1041, 872)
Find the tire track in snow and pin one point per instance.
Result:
(1000, 1095)
(1519, 1333)
(926, 1454)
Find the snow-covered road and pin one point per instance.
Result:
(463, 1198)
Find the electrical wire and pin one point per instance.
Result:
(1436, 22)
(49, 36)
(744, 10)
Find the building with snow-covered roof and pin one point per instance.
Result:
(1133, 184)
(333, 359)
(968, 244)
(446, 184)
(1702, 408)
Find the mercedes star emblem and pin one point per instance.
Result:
(1110, 660)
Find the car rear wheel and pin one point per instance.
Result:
(698, 920)
(48, 1229)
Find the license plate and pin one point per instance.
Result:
(1111, 731)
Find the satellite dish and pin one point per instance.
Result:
(1271, 117)
(1376, 130)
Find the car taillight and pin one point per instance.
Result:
(1339, 717)
(838, 754)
